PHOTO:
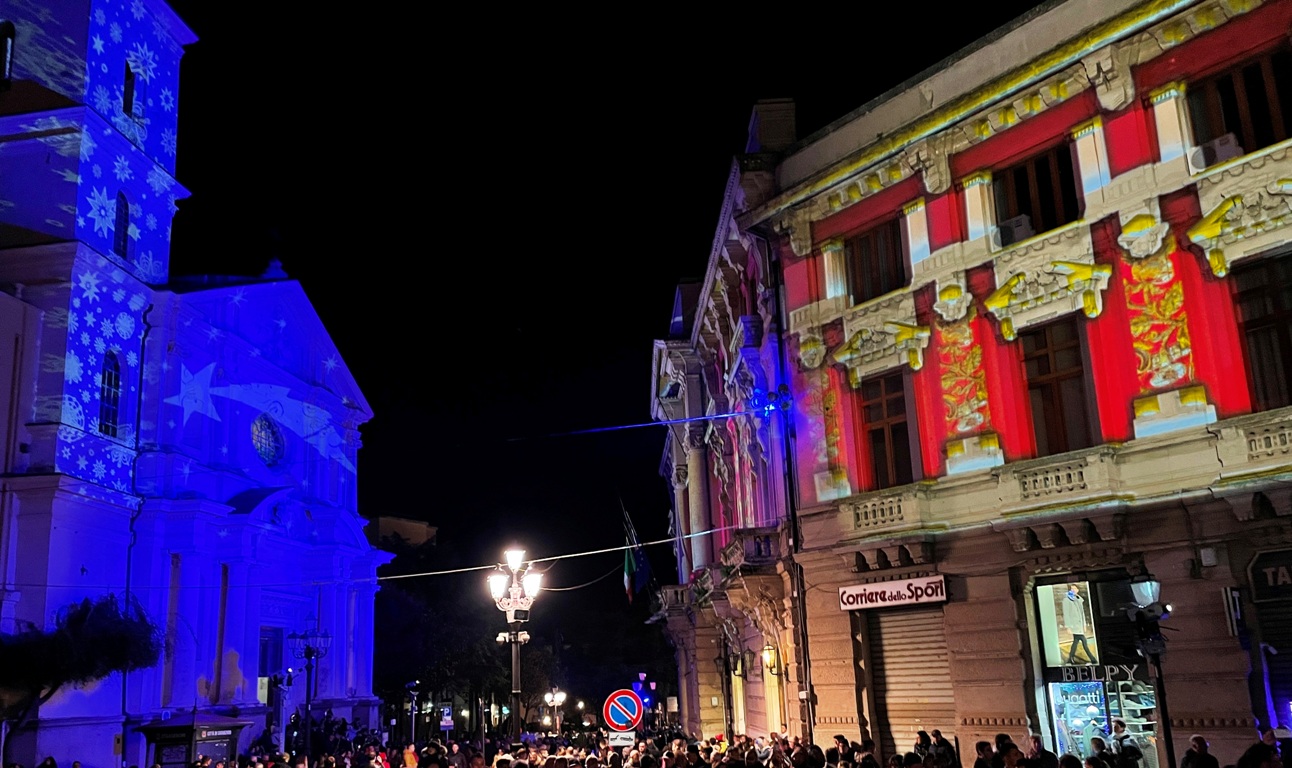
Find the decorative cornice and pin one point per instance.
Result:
(1073, 52)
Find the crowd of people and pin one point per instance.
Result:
(338, 744)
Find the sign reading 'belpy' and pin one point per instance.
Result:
(928, 589)
(623, 710)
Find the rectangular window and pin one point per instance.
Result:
(7, 35)
(1263, 296)
(1054, 363)
(876, 262)
(1036, 195)
(1252, 101)
(886, 429)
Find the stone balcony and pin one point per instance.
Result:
(754, 548)
(1228, 460)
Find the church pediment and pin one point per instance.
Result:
(278, 323)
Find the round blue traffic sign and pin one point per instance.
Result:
(623, 710)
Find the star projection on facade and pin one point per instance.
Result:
(195, 393)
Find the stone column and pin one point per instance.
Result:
(836, 268)
(697, 469)
(915, 223)
(1092, 157)
(1173, 134)
(682, 519)
(980, 211)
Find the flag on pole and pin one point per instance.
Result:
(636, 567)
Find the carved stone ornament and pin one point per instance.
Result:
(1245, 207)
(881, 335)
(1144, 234)
(796, 224)
(811, 350)
(953, 298)
(1035, 286)
(1109, 70)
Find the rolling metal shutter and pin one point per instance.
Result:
(912, 676)
(1276, 629)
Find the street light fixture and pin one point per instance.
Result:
(513, 591)
(555, 698)
(310, 645)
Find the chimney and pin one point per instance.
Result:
(771, 126)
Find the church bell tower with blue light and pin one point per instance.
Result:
(181, 444)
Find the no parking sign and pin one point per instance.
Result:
(623, 710)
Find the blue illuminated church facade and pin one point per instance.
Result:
(191, 444)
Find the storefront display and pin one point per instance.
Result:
(1079, 712)
(1067, 624)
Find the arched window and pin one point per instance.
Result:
(8, 36)
(121, 235)
(110, 395)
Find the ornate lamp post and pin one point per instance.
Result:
(310, 645)
(513, 591)
(555, 698)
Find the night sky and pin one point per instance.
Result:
(490, 217)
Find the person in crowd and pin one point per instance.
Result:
(1124, 746)
(1039, 755)
(1099, 749)
(984, 754)
(923, 744)
(1069, 761)
(1260, 755)
(1198, 755)
(943, 749)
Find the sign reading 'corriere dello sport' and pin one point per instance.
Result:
(927, 589)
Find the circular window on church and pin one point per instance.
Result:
(268, 439)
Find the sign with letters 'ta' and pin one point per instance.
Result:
(1271, 575)
(926, 589)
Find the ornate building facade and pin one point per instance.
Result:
(189, 444)
(717, 381)
(1037, 309)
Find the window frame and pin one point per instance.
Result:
(1006, 200)
(893, 264)
(1205, 108)
(1055, 414)
(110, 395)
(1279, 320)
(892, 475)
(277, 441)
(8, 45)
(121, 227)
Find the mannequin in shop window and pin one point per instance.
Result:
(1074, 619)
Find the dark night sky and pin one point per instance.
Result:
(491, 224)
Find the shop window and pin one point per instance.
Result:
(1242, 109)
(110, 395)
(1036, 195)
(876, 262)
(121, 227)
(8, 37)
(886, 429)
(1054, 364)
(1263, 295)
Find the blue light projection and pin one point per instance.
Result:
(88, 64)
(106, 313)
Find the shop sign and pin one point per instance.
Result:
(1271, 575)
(928, 589)
(1099, 673)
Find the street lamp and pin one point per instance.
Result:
(513, 591)
(1146, 613)
(310, 645)
(555, 698)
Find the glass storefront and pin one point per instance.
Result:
(1089, 664)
